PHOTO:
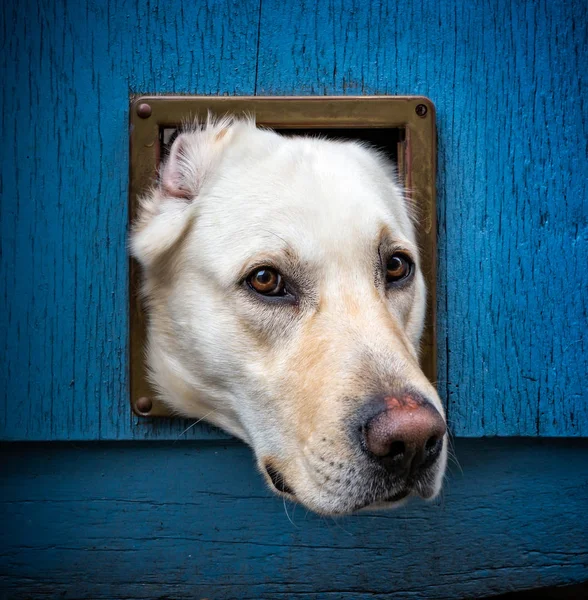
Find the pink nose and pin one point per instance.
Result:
(406, 435)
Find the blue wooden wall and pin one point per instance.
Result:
(509, 79)
(151, 520)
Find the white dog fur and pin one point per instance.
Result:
(285, 377)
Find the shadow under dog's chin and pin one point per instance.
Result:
(349, 506)
(379, 506)
(398, 499)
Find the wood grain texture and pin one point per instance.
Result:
(137, 521)
(509, 81)
(68, 71)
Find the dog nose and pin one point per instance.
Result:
(406, 435)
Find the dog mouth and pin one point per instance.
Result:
(364, 498)
(401, 495)
(414, 487)
(386, 502)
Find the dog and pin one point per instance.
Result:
(286, 304)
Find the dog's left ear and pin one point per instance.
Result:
(167, 212)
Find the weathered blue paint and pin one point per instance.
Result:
(195, 521)
(68, 71)
(508, 79)
(182, 520)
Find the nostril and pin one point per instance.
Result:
(433, 448)
(396, 449)
(431, 442)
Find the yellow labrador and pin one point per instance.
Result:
(286, 305)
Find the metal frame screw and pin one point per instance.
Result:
(144, 404)
(421, 110)
(144, 110)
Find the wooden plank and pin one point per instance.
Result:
(194, 520)
(508, 80)
(68, 71)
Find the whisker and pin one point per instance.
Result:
(194, 424)
(286, 511)
(455, 462)
(341, 527)
(451, 454)
(453, 458)
(278, 236)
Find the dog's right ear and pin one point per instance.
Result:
(168, 210)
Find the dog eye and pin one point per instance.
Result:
(266, 281)
(398, 268)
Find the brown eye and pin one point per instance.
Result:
(398, 268)
(266, 281)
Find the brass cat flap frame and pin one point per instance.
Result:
(404, 126)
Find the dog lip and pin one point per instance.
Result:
(375, 502)
(398, 495)
(412, 486)
(277, 480)
(424, 487)
(425, 492)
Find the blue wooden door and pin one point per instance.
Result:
(107, 505)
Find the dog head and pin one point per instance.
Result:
(286, 305)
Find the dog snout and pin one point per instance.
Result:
(405, 435)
